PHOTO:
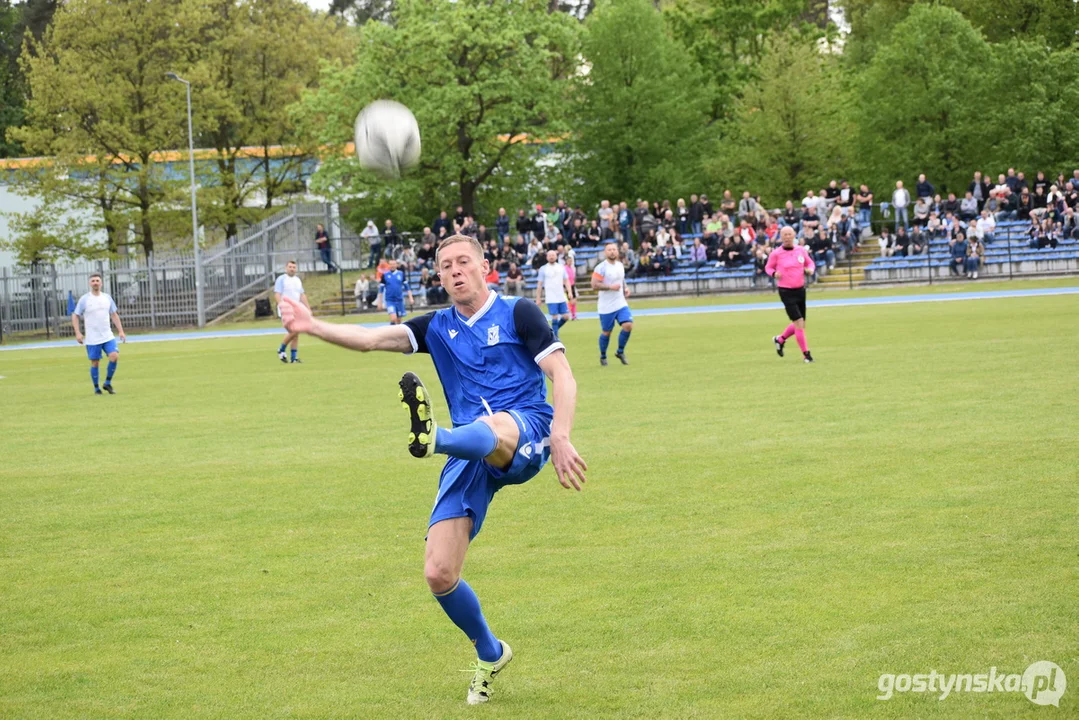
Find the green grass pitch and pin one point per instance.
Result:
(229, 537)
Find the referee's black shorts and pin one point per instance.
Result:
(794, 301)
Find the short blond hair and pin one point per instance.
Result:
(458, 238)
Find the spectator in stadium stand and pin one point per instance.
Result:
(1009, 203)
(957, 249)
(1012, 181)
(502, 226)
(924, 188)
(823, 251)
(968, 207)
(593, 234)
(363, 293)
(539, 223)
(951, 205)
(949, 226)
(493, 280)
(491, 252)
(791, 217)
(984, 227)
(482, 236)
(730, 254)
(901, 201)
(810, 221)
(886, 241)
(706, 206)
(1024, 206)
(975, 251)
(746, 234)
(760, 263)
(696, 215)
(442, 222)
(1048, 236)
(727, 204)
(934, 228)
(698, 254)
(1040, 181)
(902, 242)
(1069, 226)
(459, 217)
(992, 204)
(864, 200)
(748, 207)
(425, 256)
(563, 216)
(771, 229)
(1038, 203)
(515, 280)
(629, 256)
(921, 212)
(625, 223)
(979, 190)
(1056, 203)
(839, 230)
(390, 239)
(918, 242)
(520, 246)
(374, 242)
(682, 216)
(523, 223)
(535, 247)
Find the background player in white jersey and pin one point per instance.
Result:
(609, 278)
(552, 287)
(97, 309)
(290, 286)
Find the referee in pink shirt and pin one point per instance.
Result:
(789, 264)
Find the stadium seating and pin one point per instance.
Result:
(1009, 252)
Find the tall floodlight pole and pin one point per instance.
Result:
(199, 308)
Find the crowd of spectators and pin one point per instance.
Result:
(734, 232)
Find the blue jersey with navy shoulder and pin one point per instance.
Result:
(393, 285)
(489, 362)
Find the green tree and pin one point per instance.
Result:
(1034, 115)
(642, 115)
(791, 130)
(99, 97)
(52, 232)
(479, 76)
(923, 100)
(728, 39)
(12, 90)
(254, 61)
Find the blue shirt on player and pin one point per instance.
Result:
(393, 286)
(488, 363)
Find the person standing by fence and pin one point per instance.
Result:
(322, 241)
(97, 309)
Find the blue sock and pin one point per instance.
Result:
(294, 351)
(94, 375)
(474, 441)
(112, 371)
(463, 607)
(604, 342)
(282, 348)
(623, 338)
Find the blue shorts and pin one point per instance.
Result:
(96, 351)
(558, 308)
(467, 487)
(621, 315)
(396, 307)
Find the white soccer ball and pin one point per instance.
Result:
(387, 138)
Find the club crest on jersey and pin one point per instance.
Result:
(492, 335)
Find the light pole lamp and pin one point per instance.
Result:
(199, 308)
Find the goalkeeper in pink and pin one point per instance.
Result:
(789, 264)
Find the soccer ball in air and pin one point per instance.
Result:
(387, 138)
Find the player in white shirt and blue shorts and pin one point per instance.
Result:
(552, 287)
(290, 286)
(97, 309)
(609, 278)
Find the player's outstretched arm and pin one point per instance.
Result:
(568, 465)
(296, 317)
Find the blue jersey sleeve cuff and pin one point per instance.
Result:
(549, 349)
(411, 339)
